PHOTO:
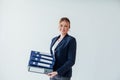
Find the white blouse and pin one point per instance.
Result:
(55, 45)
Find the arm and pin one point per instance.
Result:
(71, 57)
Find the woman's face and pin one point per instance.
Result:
(64, 27)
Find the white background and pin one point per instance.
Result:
(27, 25)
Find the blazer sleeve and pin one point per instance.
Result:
(71, 57)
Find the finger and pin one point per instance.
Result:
(49, 74)
(52, 75)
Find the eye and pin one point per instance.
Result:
(65, 26)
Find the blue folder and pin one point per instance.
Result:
(40, 62)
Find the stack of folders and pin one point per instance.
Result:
(40, 62)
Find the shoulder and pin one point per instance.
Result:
(71, 37)
(71, 41)
(54, 38)
(67, 37)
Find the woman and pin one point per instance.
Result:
(63, 47)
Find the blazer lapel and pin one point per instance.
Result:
(54, 41)
(61, 42)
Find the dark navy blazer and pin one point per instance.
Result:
(65, 54)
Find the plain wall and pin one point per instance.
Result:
(27, 25)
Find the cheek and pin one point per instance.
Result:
(67, 29)
(59, 29)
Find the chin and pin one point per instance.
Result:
(64, 33)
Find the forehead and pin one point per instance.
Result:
(64, 22)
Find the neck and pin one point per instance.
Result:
(62, 35)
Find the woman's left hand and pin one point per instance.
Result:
(52, 74)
